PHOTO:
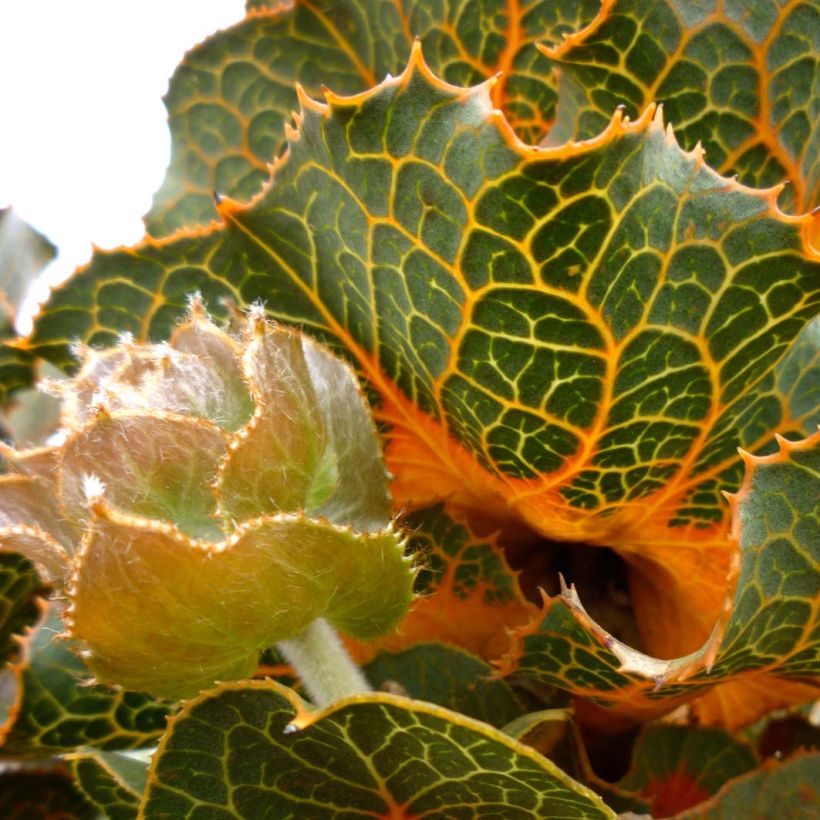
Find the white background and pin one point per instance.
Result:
(83, 136)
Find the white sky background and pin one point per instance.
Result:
(83, 135)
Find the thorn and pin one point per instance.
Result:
(290, 729)
(217, 198)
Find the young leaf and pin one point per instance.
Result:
(764, 649)
(739, 78)
(230, 752)
(230, 99)
(577, 338)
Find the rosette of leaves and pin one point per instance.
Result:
(213, 495)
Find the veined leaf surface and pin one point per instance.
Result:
(765, 648)
(574, 338)
(228, 753)
(230, 98)
(742, 78)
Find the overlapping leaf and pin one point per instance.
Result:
(577, 338)
(112, 781)
(786, 790)
(228, 754)
(742, 78)
(467, 595)
(50, 706)
(231, 97)
(20, 588)
(676, 767)
(765, 648)
(448, 677)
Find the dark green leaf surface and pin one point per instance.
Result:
(676, 767)
(20, 587)
(448, 677)
(741, 78)
(113, 782)
(786, 791)
(229, 100)
(227, 755)
(54, 708)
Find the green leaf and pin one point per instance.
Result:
(52, 708)
(787, 791)
(739, 78)
(20, 591)
(113, 782)
(467, 595)
(575, 339)
(228, 753)
(42, 795)
(215, 606)
(24, 252)
(232, 96)
(676, 767)
(765, 645)
(448, 677)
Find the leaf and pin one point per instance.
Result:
(230, 100)
(20, 591)
(113, 782)
(676, 767)
(575, 339)
(448, 677)
(24, 252)
(786, 790)
(739, 78)
(467, 594)
(41, 795)
(764, 649)
(51, 707)
(555, 734)
(214, 606)
(380, 755)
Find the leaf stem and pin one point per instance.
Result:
(322, 662)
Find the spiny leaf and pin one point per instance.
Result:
(740, 78)
(448, 677)
(230, 99)
(51, 708)
(467, 594)
(575, 338)
(787, 791)
(113, 782)
(764, 649)
(676, 767)
(216, 605)
(375, 755)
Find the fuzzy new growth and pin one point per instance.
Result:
(215, 494)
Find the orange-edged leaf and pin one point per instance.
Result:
(467, 594)
(113, 782)
(740, 78)
(786, 790)
(763, 649)
(676, 767)
(48, 706)
(575, 338)
(232, 96)
(250, 750)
